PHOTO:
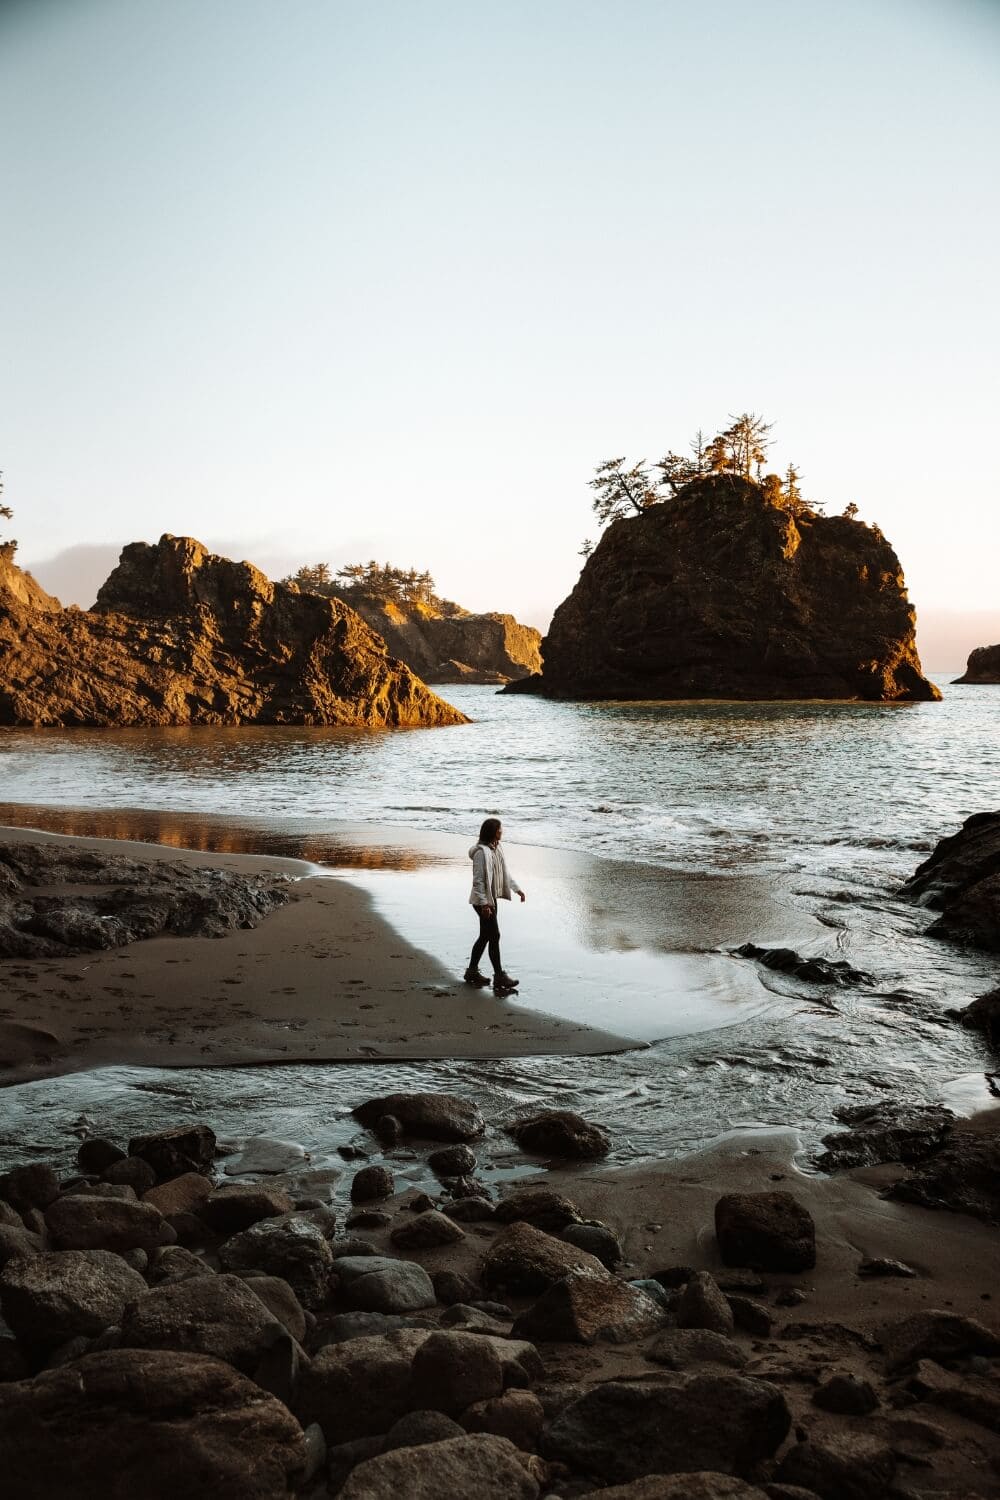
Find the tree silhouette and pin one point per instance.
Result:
(620, 491)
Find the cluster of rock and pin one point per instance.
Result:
(720, 593)
(457, 646)
(961, 880)
(983, 666)
(57, 900)
(179, 636)
(164, 1332)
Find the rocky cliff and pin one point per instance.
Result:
(983, 666)
(179, 636)
(961, 880)
(719, 593)
(459, 647)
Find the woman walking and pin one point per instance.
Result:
(491, 882)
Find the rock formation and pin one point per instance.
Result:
(983, 666)
(961, 880)
(720, 593)
(179, 636)
(454, 647)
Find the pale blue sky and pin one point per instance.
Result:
(328, 280)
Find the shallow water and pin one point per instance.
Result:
(828, 807)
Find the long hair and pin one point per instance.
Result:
(488, 832)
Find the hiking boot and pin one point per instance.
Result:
(503, 984)
(473, 977)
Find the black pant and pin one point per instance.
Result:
(489, 936)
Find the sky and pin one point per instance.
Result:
(388, 278)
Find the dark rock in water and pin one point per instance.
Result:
(961, 879)
(767, 1231)
(622, 1430)
(885, 1131)
(452, 1161)
(178, 636)
(851, 1466)
(982, 1015)
(560, 1132)
(185, 1148)
(719, 593)
(937, 1335)
(435, 1117)
(983, 666)
(813, 970)
(150, 1423)
(963, 1177)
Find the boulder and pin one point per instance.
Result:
(526, 1260)
(560, 1132)
(758, 601)
(97, 1153)
(840, 1466)
(538, 1206)
(218, 1315)
(359, 1388)
(768, 1231)
(586, 1307)
(170, 1153)
(79, 1223)
(132, 1172)
(181, 1195)
(372, 1183)
(230, 1209)
(174, 1263)
(453, 1370)
(621, 1430)
(122, 1423)
(451, 1287)
(883, 1131)
(434, 1117)
(684, 1348)
(937, 1335)
(179, 636)
(963, 1177)
(290, 1247)
(281, 1302)
(379, 1284)
(983, 1014)
(62, 1294)
(702, 1305)
(490, 1468)
(427, 1231)
(517, 1415)
(452, 1161)
(598, 1240)
(469, 1210)
(33, 1186)
(17, 1241)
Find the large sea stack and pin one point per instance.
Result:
(179, 636)
(983, 666)
(722, 593)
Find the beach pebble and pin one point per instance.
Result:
(79, 1223)
(586, 1306)
(702, 1305)
(848, 1466)
(452, 1161)
(560, 1132)
(237, 1206)
(482, 1465)
(97, 1153)
(436, 1117)
(538, 1206)
(766, 1231)
(49, 1298)
(266, 1153)
(133, 1172)
(290, 1247)
(426, 1231)
(525, 1259)
(372, 1183)
(156, 1425)
(847, 1395)
(598, 1239)
(185, 1148)
(683, 1348)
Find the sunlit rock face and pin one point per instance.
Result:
(179, 636)
(719, 593)
(983, 665)
(459, 647)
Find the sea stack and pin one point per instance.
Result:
(983, 666)
(720, 592)
(180, 636)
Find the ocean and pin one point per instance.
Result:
(657, 835)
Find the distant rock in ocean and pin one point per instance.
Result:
(179, 636)
(721, 593)
(454, 647)
(983, 666)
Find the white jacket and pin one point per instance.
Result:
(491, 880)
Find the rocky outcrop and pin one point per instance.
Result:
(983, 666)
(719, 593)
(452, 648)
(961, 880)
(179, 636)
